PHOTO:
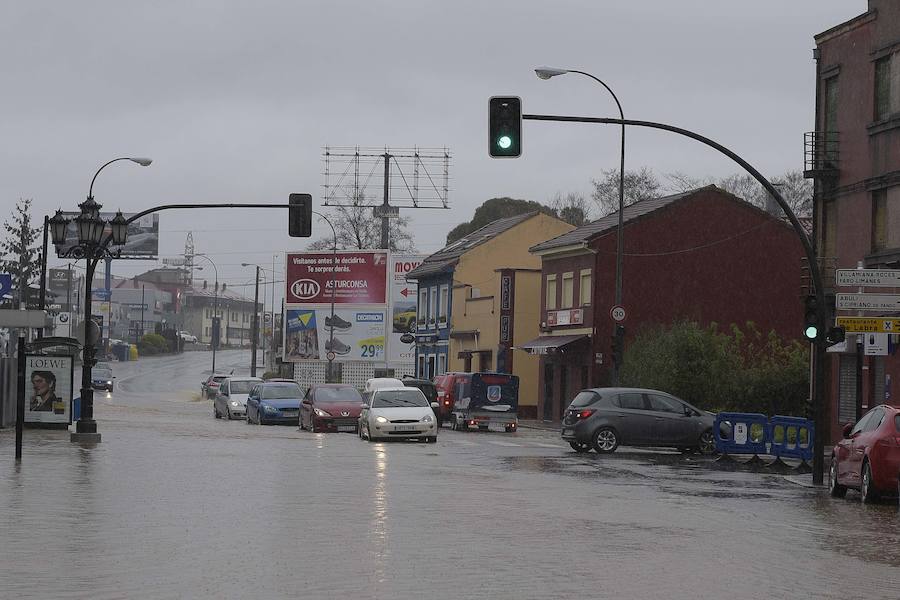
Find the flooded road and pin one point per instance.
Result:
(177, 504)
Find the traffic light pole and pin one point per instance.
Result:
(815, 273)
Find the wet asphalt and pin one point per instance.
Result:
(176, 504)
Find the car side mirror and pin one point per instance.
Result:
(688, 412)
(846, 430)
(435, 405)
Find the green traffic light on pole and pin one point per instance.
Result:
(505, 126)
(504, 142)
(810, 318)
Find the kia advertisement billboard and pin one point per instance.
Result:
(360, 277)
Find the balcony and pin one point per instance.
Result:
(821, 154)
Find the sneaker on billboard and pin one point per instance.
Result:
(338, 347)
(337, 323)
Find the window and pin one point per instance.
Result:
(883, 88)
(551, 292)
(584, 287)
(420, 371)
(861, 424)
(422, 308)
(442, 364)
(583, 399)
(663, 404)
(875, 421)
(879, 220)
(568, 282)
(432, 305)
(443, 305)
(631, 401)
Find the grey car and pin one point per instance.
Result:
(605, 418)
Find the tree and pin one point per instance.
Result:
(357, 229)
(19, 250)
(572, 208)
(795, 189)
(639, 185)
(493, 209)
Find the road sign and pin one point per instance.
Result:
(868, 324)
(869, 277)
(617, 313)
(875, 302)
(385, 210)
(330, 356)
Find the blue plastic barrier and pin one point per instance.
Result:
(744, 433)
(792, 437)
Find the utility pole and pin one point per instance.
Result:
(254, 326)
(385, 204)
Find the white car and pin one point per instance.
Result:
(397, 412)
(230, 401)
(187, 338)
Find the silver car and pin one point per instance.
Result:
(230, 401)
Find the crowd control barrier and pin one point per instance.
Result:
(753, 433)
(741, 433)
(792, 437)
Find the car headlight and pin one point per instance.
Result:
(269, 409)
(235, 403)
(426, 419)
(109, 383)
(380, 420)
(321, 413)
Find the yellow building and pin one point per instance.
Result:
(479, 297)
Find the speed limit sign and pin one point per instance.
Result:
(617, 313)
(330, 356)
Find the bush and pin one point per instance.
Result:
(152, 343)
(744, 371)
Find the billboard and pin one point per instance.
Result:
(403, 307)
(360, 277)
(48, 389)
(357, 333)
(142, 240)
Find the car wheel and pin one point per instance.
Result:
(605, 440)
(707, 445)
(866, 489)
(834, 488)
(580, 447)
(311, 425)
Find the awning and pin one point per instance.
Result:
(547, 344)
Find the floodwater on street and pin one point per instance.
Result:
(176, 504)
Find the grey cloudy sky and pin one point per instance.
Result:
(234, 101)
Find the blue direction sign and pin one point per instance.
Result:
(101, 294)
(5, 284)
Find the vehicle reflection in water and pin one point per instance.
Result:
(870, 532)
(378, 533)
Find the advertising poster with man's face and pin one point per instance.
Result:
(48, 389)
(353, 334)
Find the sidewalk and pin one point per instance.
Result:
(542, 425)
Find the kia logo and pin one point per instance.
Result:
(305, 289)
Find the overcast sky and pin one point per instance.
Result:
(234, 101)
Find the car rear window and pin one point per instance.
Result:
(584, 398)
(333, 395)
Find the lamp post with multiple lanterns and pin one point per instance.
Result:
(93, 245)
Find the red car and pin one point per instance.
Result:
(330, 407)
(446, 393)
(868, 458)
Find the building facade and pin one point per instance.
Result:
(479, 297)
(203, 302)
(853, 156)
(704, 256)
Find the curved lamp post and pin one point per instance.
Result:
(214, 339)
(547, 73)
(254, 336)
(92, 246)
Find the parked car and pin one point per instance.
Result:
(868, 458)
(330, 407)
(445, 384)
(187, 338)
(395, 413)
(210, 385)
(427, 387)
(274, 402)
(605, 418)
(231, 397)
(102, 378)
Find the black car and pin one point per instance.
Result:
(605, 418)
(102, 379)
(428, 389)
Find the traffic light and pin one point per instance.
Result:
(505, 126)
(300, 215)
(810, 318)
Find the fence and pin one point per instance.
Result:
(756, 434)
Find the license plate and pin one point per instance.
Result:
(346, 428)
(405, 428)
(290, 413)
(568, 432)
(496, 426)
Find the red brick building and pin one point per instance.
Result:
(704, 255)
(854, 158)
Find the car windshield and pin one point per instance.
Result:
(338, 395)
(280, 390)
(101, 374)
(241, 387)
(399, 398)
(584, 398)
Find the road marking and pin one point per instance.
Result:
(507, 444)
(554, 446)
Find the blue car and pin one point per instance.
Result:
(274, 402)
(102, 379)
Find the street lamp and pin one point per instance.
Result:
(93, 247)
(254, 336)
(217, 324)
(547, 73)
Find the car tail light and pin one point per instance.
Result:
(446, 403)
(473, 422)
(584, 414)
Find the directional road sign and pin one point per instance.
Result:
(868, 325)
(869, 277)
(874, 302)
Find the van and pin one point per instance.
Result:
(446, 393)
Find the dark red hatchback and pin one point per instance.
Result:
(868, 458)
(330, 407)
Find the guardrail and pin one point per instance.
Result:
(756, 434)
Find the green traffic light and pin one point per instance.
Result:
(811, 332)
(504, 141)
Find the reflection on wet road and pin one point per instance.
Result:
(177, 504)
